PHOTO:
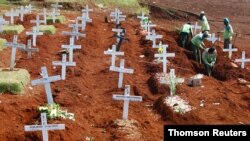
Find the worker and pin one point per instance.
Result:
(227, 33)
(204, 23)
(197, 44)
(209, 59)
(185, 33)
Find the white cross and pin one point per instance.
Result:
(212, 38)
(243, 60)
(195, 27)
(2, 22)
(74, 33)
(160, 45)
(230, 50)
(12, 15)
(35, 32)
(117, 16)
(126, 98)
(142, 17)
(29, 49)
(121, 71)
(56, 6)
(113, 53)
(54, 14)
(86, 11)
(14, 45)
(46, 80)
(164, 56)
(118, 31)
(71, 48)
(64, 64)
(84, 20)
(153, 38)
(117, 11)
(76, 24)
(44, 14)
(147, 27)
(28, 8)
(21, 12)
(44, 127)
(37, 22)
(172, 81)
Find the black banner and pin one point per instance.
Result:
(195, 132)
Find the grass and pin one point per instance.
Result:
(13, 29)
(47, 29)
(2, 42)
(59, 19)
(14, 81)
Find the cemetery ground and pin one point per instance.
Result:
(88, 89)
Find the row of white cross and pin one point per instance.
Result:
(117, 17)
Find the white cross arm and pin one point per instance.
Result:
(129, 98)
(73, 34)
(165, 55)
(110, 52)
(123, 70)
(229, 50)
(22, 46)
(59, 63)
(31, 49)
(72, 46)
(148, 25)
(33, 127)
(117, 30)
(46, 80)
(166, 81)
(242, 60)
(84, 19)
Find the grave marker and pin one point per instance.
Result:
(243, 60)
(142, 17)
(84, 20)
(46, 80)
(14, 45)
(54, 14)
(2, 22)
(64, 64)
(121, 71)
(37, 22)
(164, 56)
(12, 14)
(230, 50)
(28, 8)
(71, 48)
(86, 11)
(35, 32)
(118, 31)
(147, 27)
(44, 14)
(44, 127)
(29, 49)
(196, 27)
(126, 98)
(74, 33)
(113, 53)
(56, 6)
(172, 81)
(21, 12)
(212, 38)
(117, 17)
(153, 38)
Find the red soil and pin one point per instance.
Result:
(88, 88)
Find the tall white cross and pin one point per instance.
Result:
(230, 50)
(28, 8)
(212, 38)
(84, 20)
(46, 80)
(29, 49)
(53, 15)
(148, 26)
(86, 11)
(64, 64)
(37, 22)
(44, 127)
(164, 56)
(172, 81)
(126, 98)
(117, 12)
(243, 60)
(44, 14)
(142, 17)
(35, 32)
(56, 6)
(113, 53)
(153, 38)
(117, 17)
(121, 71)
(2, 22)
(12, 14)
(14, 45)
(118, 31)
(21, 12)
(71, 48)
(196, 27)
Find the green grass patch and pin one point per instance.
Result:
(59, 19)
(47, 29)
(2, 42)
(14, 81)
(13, 29)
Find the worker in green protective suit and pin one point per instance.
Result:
(185, 33)
(227, 33)
(204, 23)
(209, 59)
(197, 44)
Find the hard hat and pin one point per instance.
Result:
(205, 34)
(202, 13)
(226, 20)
